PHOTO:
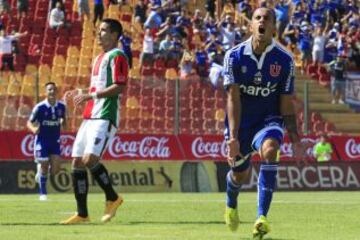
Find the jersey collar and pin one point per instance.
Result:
(248, 51)
(49, 105)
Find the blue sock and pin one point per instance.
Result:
(42, 185)
(232, 191)
(266, 186)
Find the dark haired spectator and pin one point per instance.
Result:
(22, 8)
(98, 11)
(201, 61)
(4, 5)
(126, 41)
(282, 18)
(4, 18)
(290, 35)
(338, 70)
(140, 11)
(84, 9)
(213, 44)
(305, 44)
(210, 8)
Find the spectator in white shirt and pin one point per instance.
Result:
(7, 50)
(147, 54)
(57, 17)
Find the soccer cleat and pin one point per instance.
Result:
(110, 209)
(43, 197)
(76, 219)
(232, 218)
(261, 228)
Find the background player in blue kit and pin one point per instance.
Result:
(259, 79)
(45, 122)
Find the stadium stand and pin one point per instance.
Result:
(148, 105)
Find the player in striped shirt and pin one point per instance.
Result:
(259, 79)
(101, 119)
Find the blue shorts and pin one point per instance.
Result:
(43, 149)
(251, 139)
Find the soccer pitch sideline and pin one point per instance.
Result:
(180, 216)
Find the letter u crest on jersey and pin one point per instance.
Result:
(275, 70)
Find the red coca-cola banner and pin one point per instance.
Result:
(20, 146)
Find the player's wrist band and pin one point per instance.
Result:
(94, 95)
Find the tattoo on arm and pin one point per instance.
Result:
(291, 126)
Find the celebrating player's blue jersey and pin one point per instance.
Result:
(49, 117)
(261, 81)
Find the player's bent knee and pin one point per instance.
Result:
(77, 163)
(90, 160)
(270, 154)
(240, 177)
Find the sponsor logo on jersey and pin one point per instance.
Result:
(263, 91)
(258, 78)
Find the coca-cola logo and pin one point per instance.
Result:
(66, 143)
(352, 148)
(148, 147)
(27, 145)
(287, 151)
(203, 149)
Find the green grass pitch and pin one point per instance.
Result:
(181, 216)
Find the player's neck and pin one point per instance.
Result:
(110, 47)
(259, 47)
(51, 101)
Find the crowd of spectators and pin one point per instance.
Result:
(316, 31)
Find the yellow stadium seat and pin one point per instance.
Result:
(3, 89)
(72, 61)
(135, 73)
(31, 69)
(44, 69)
(58, 80)
(59, 60)
(43, 80)
(58, 70)
(14, 89)
(86, 53)
(171, 74)
(27, 90)
(29, 79)
(84, 71)
(220, 115)
(85, 61)
(132, 103)
(73, 51)
(71, 70)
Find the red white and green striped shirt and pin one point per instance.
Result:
(108, 68)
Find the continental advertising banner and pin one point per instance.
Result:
(126, 176)
(20, 146)
(332, 176)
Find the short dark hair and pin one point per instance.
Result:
(115, 26)
(50, 83)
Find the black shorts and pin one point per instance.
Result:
(8, 60)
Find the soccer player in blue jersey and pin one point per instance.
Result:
(45, 122)
(259, 79)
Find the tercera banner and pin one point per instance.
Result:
(20, 146)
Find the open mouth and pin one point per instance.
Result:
(261, 29)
